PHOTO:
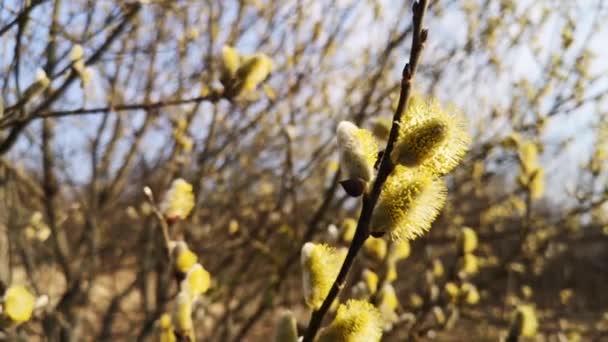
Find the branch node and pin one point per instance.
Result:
(424, 35)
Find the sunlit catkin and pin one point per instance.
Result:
(409, 203)
(184, 258)
(358, 151)
(40, 84)
(468, 240)
(375, 248)
(182, 315)
(370, 278)
(537, 184)
(471, 295)
(254, 70)
(165, 327)
(525, 322)
(230, 61)
(286, 329)
(357, 320)
(320, 267)
(178, 201)
(400, 250)
(197, 281)
(388, 304)
(469, 264)
(19, 304)
(430, 138)
(349, 226)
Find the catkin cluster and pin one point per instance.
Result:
(430, 144)
(243, 73)
(193, 279)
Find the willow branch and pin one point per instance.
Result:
(386, 167)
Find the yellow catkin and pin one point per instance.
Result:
(528, 155)
(40, 84)
(439, 315)
(452, 290)
(166, 333)
(76, 53)
(349, 226)
(381, 127)
(430, 138)
(179, 200)
(230, 61)
(286, 329)
(184, 257)
(469, 264)
(409, 203)
(416, 300)
(525, 321)
(197, 281)
(254, 69)
(468, 240)
(537, 184)
(391, 272)
(400, 250)
(19, 304)
(438, 269)
(320, 267)
(182, 315)
(471, 295)
(388, 304)
(358, 151)
(376, 248)
(357, 320)
(370, 278)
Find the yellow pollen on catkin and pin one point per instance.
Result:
(179, 200)
(357, 320)
(430, 138)
(408, 204)
(358, 151)
(19, 304)
(420, 144)
(320, 267)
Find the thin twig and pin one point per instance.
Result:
(164, 226)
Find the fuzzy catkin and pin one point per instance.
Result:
(408, 204)
(320, 264)
(358, 151)
(430, 138)
(357, 320)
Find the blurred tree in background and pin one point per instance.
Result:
(100, 99)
